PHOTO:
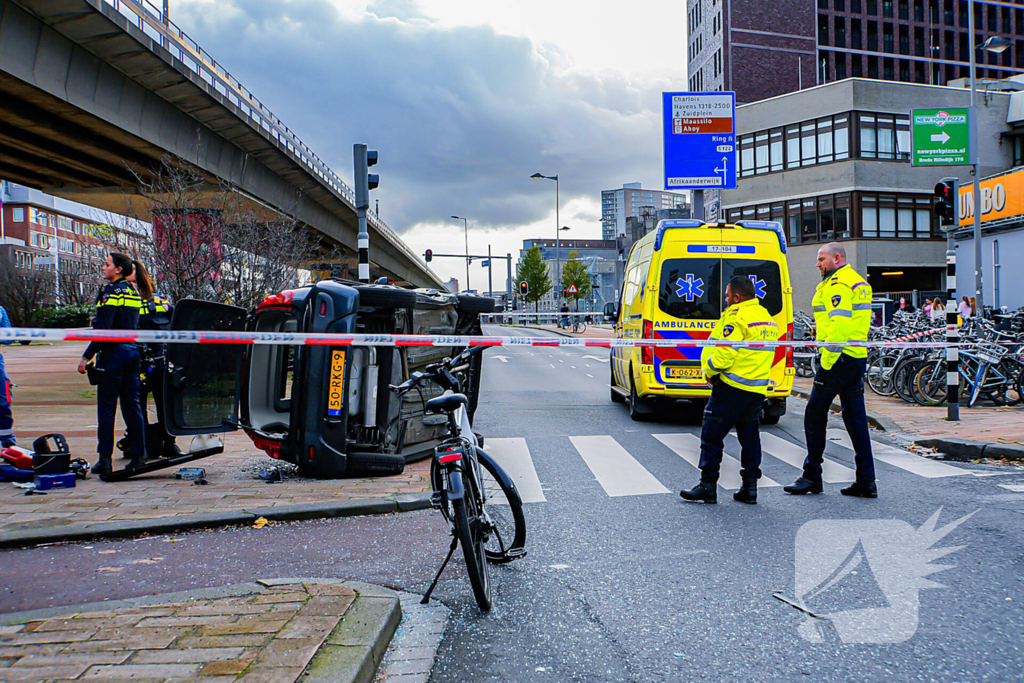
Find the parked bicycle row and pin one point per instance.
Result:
(991, 359)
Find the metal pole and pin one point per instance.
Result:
(975, 162)
(508, 281)
(465, 227)
(362, 204)
(490, 285)
(558, 249)
(952, 336)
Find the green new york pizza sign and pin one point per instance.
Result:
(941, 137)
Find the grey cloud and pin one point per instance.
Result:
(461, 116)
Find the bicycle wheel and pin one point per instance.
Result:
(582, 327)
(504, 513)
(879, 375)
(931, 382)
(470, 531)
(900, 380)
(1005, 375)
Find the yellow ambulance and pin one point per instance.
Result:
(674, 288)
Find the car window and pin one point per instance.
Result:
(766, 276)
(691, 288)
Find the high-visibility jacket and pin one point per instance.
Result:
(117, 308)
(842, 313)
(744, 368)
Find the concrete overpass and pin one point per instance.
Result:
(94, 94)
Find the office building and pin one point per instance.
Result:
(601, 258)
(633, 200)
(762, 49)
(833, 163)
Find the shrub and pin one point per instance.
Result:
(66, 316)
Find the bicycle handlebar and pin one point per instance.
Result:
(440, 373)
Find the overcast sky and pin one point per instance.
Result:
(464, 100)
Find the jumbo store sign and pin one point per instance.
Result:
(1001, 197)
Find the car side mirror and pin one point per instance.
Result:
(611, 312)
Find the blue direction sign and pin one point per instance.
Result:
(700, 140)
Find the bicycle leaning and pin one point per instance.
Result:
(476, 497)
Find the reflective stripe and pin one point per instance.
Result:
(834, 349)
(859, 284)
(7, 432)
(712, 366)
(817, 309)
(840, 313)
(746, 382)
(862, 307)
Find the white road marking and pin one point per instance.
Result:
(503, 359)
(915, 464)
(793, 454)
(1016, 488)
(551, 364)
(560, 360)
(513, 455)
(687, 447)
(603, 360)
(589, 375)
(615, 469)
(573, 367)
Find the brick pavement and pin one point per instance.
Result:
(52, 397)
(270, 634)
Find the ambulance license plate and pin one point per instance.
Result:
(336, 384)
(685, 373)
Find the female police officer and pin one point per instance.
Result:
(117, 308)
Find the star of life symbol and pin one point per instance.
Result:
(690, 288)
(760, 287)
(879, 566)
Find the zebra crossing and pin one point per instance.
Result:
(620, 474)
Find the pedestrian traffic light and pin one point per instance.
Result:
(364, 182)
(429, 255)
(372, 179)
(945, 204)
(524, 288)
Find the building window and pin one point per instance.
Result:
(822, 29)
(775, 150)
(840, 32)
(887, 8)
(1018, 151)
(855, 6)
(792, 146)
(18, 215)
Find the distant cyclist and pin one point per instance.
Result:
(564, 310)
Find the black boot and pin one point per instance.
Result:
(802, 486)
(861, 490)
(171, 450)
(747, 494)
(102, 466)
(136, 462)
(704, 492)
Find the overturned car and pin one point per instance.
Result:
(327, 409)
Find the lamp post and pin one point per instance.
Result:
(558, 222)
(465, 227)
(997, 45)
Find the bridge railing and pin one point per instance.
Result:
(149, 19)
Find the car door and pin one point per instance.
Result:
(203, 382)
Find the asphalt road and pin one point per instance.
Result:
(624, 581)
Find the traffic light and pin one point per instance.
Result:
(364, 182)
(945, 204)
(429, 255)
(524, 288)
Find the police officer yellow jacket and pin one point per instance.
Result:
(842, 313)
(117, 308)
(744, 368)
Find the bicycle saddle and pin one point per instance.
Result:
(446, 404)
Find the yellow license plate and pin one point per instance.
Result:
(336, 385)
(685, 373)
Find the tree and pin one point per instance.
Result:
(533, 271)
(23, 291)
(575, 273)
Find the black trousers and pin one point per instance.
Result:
(119, 380)
(156, 433)
(845, 380)
(731, 407)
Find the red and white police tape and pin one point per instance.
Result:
(29, 334)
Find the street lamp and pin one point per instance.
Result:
(996, 44)
(558, 251)
(465, 227)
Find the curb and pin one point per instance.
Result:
(285, 513)
(351, 654)
(967, 449)
(874, 419)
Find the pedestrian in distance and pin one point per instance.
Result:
(117, 365)
(155, 314)
(564, 310)
(842, 314)
(6, 413)
(739, 382)
(938, 311)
